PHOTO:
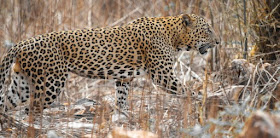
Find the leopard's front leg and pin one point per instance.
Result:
(166, 80)
(160, 62)
(161, 67)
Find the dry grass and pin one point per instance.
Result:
(151, 109)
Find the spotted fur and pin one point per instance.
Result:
(37, 68)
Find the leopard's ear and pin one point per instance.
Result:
(187, 19)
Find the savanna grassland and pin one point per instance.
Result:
(237, 81)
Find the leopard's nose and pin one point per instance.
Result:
(217, 41)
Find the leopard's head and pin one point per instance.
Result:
(197, 34)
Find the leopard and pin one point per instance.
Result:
(34, 71)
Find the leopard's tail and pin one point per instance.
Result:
(6, 65)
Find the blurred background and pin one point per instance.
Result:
(247, 30)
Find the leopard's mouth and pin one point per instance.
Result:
(203, 48)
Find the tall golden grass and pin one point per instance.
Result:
(242, 29)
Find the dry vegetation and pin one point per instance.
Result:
(226, 91)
